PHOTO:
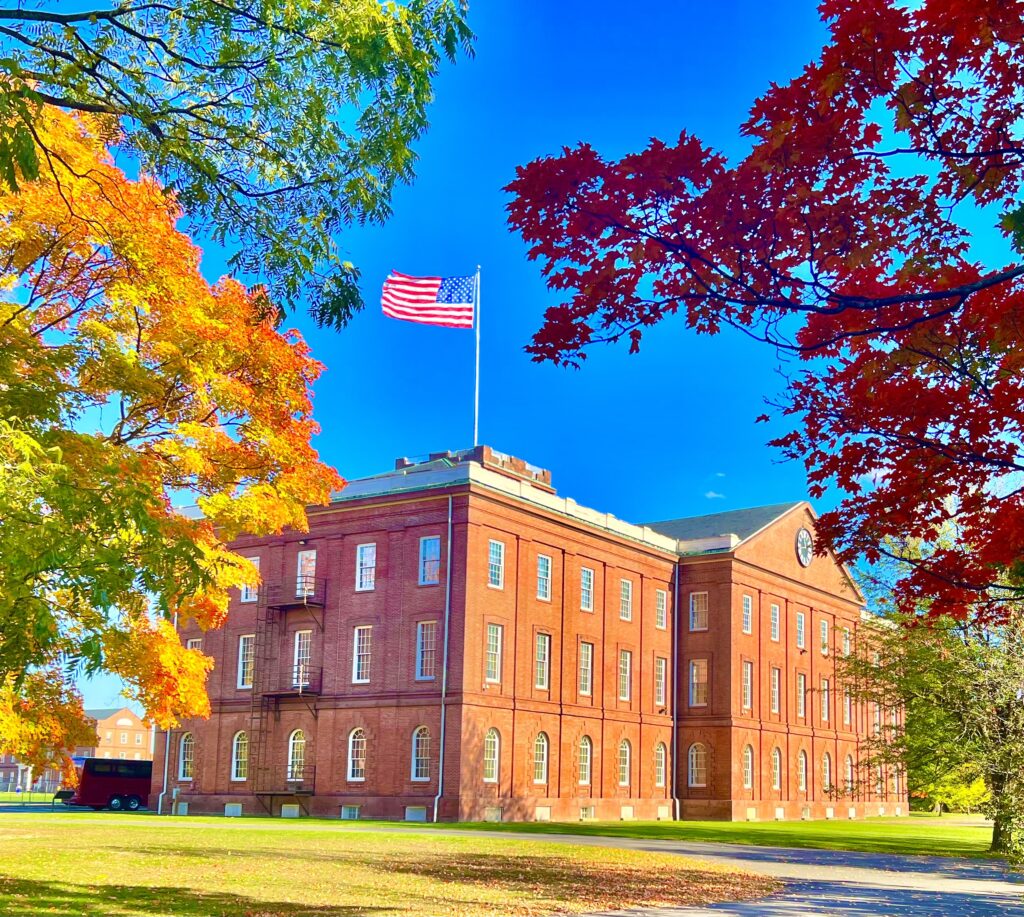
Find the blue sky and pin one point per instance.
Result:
(668, 432)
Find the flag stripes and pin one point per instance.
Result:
(445, 301)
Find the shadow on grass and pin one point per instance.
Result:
(27, 898)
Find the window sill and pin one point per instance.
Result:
(420, 779)
(493, 586)
(355, 779)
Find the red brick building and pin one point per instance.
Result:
(453, 640)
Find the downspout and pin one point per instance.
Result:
(444, 664)
(167, 751)
(675, 690)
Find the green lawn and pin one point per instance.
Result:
(91, 864)
(917, 834)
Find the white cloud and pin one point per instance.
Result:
(719, 474)
(714, 495)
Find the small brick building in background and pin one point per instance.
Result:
(453, 640)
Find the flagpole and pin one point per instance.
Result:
(476, 387)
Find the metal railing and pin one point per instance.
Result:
(303, 590)
(285, 780)
(293, 680)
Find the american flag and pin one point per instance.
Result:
(446, 301)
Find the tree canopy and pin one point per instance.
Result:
(127, 381)
(277, 123)
(844, 236)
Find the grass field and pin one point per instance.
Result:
(93, 864)
(917, 834)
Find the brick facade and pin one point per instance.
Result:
(529, 731)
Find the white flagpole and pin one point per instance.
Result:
(476, 388)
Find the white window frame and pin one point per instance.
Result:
(352, 775)
(826, 700)
(305, 583)
(239, 762)
(296, 756)
(847, 708)
(775, 689)
(851, 775)
(542, 662)
(424, 578)
(492, 756)
(747, 615)
(625, 675)
(847, 641)
(776, 622)
(585, 760)
(660, 764)
(825, 640)
(625, 599)
(246, 653)
(419, 770)
(699, 617)
(493, 654)
(776, 768)
(423, 649)
(301, 667)
(661, 609)
(249, 593)
(366, 566)
(544, 577)
(186, 757)
(748, 767)
(801, 771)
(495, 564)
(625, 762)
(697, 765)
(586, 589)
(748, 685)
(660, 681)
(541, 754)
(585, 680)
(826, 772)
(693, 683)
(194, 643)
(801, 630)
(362, 653)
(801, 696)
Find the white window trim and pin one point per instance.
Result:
(302, 588)
(801, 696)
(660, 681)
(241, 658)
(801, 631)
(349, 770)
(235, 759)
(249, 594)
(588, 743)
(626, 745)
(412, 763)
(542, 639)
(661, 609)
(775, 622)
(588, 606)
(291, 756)
(422, 558)
(181, 757)
(692, 684)
(625, 599)
(488, 679)
(747, 614)
(690, 778)
(194, 643)
(497, 756)
(694, 629)
(775, 689)
(501, 566)
(660, 764)
(748, 767)
(588, 668)
(373, 567)
(547, 580)
(546, 760)
(419, 651)
(626, 656)
(824, 637)
(826, 700)
(355, 654)
(298, 682)
(747, 686)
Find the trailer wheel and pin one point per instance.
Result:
(133, 803)
(116, 803)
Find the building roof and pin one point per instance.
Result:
(104, 713)
(739, 522)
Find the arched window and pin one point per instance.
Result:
(879, 782)
(421, 753)
(697, 765)
(357, 754)
(660, 763)
(748, 767)
(776, 769)
(186, 756)
(826, 772)
(296, 754)
(540, 758)
(240, 756)
(625, 762)
(586, 758)
(849, 775)
(801, 771)
(492, 747)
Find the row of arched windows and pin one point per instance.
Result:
(584, 759)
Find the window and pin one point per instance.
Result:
(625, 762)
(362, 645)
(826, 772)
(542, 662)
(698, 611)
(878, 719)
(430, 560)
(426, 650)
(826, 700)
(296, 755)
(824, 637)
(748, 767)
(660, 609)
(748, 685)
(698, 683)
(366, 567)
(540, 758)
(626, 600)
(801, 771)
(850, 780)
(186, 756)
(586, 758)
(879, 783)
(492, 746)
(586, 589)
(138, 738)
(496, 564)
(697, 765)
(660, 764)
(492, 671)
(305, 573)
(748, 614)
(251, 593)
(846, 641)
(801, 630)
(194, 643)
(801, 695)
(776, 769)
(775, 620)
(240, 756)
(847, 708)
(246, 659)
(420, 753)
(586, 674)
(660, 679)
(544, 577)
(124, 738)
(303, 656)
(625, 674)
(357, 755)
(776, 689)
